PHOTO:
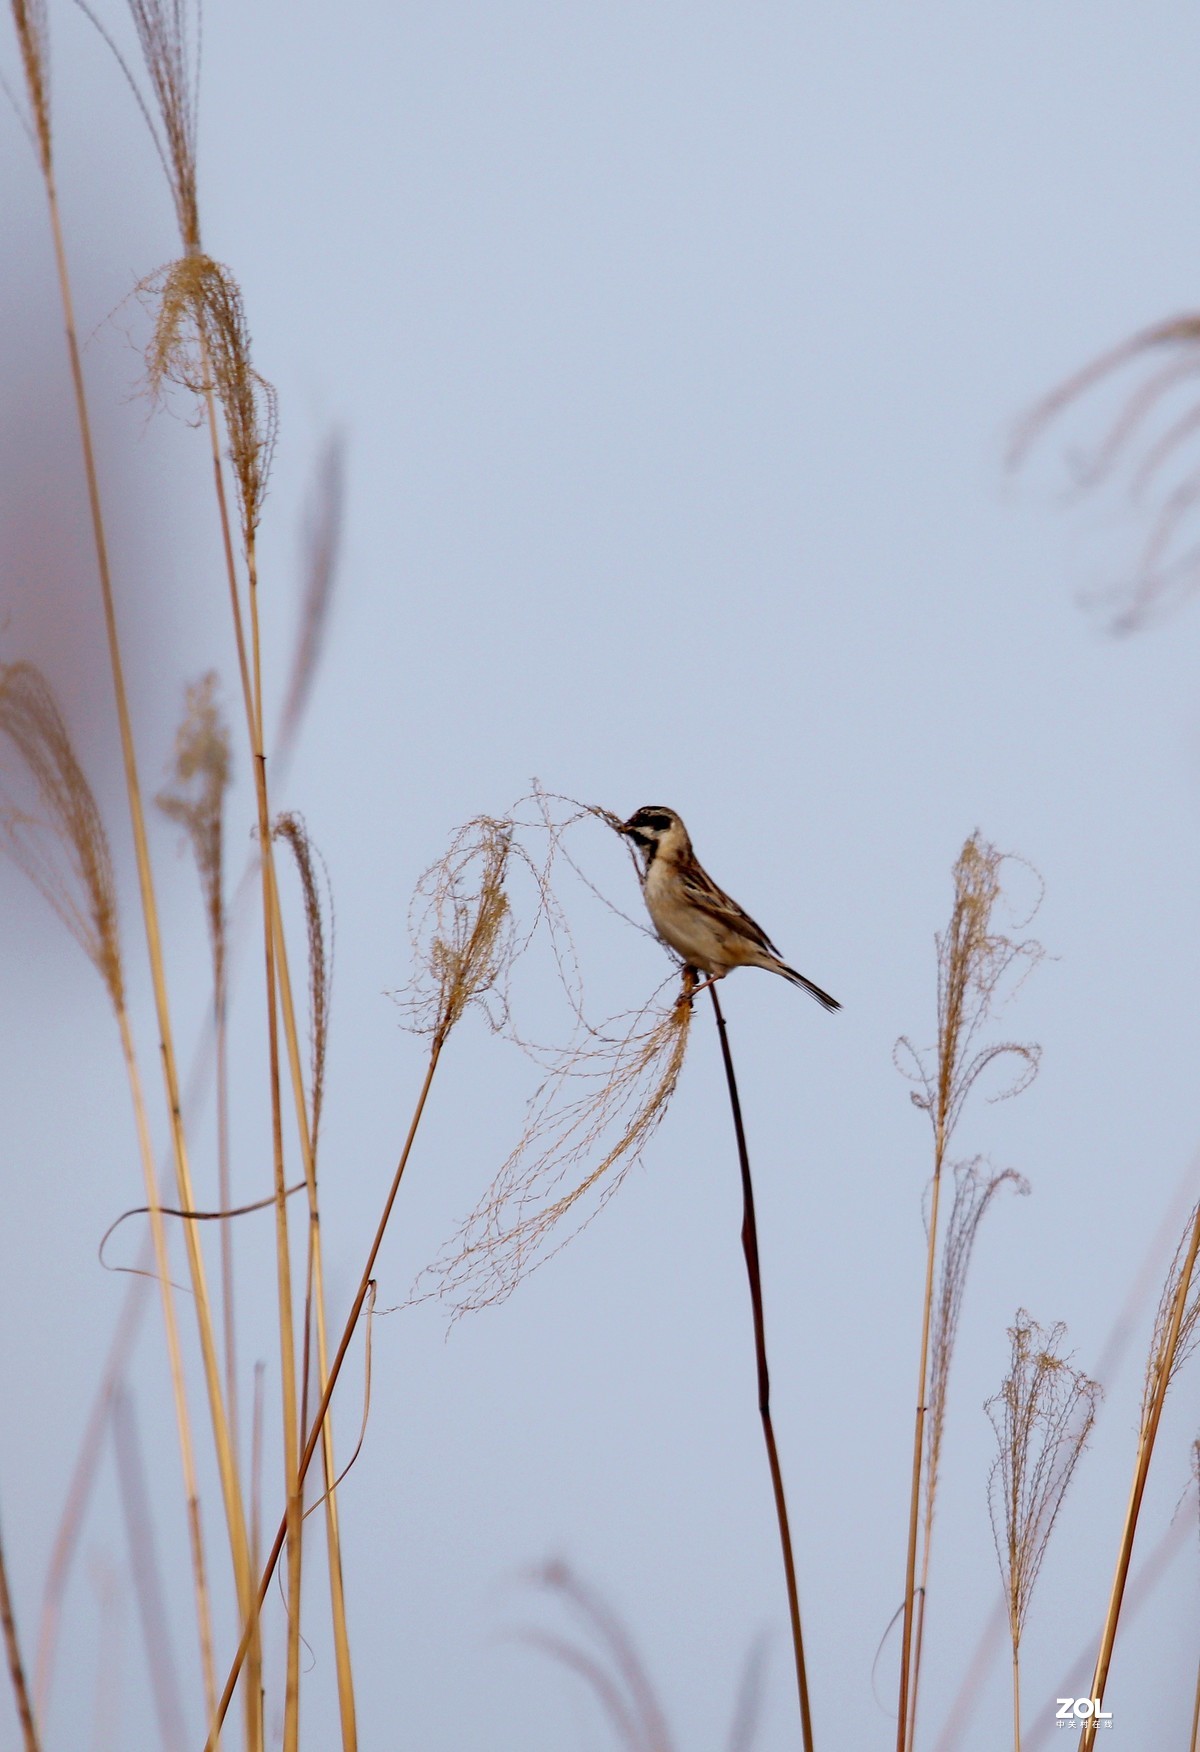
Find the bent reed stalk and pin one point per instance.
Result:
(753, 1274)
(1164, 1361)
(16, 1669)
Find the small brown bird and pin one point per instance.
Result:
(691, 914)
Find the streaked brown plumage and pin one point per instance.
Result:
(694, 917)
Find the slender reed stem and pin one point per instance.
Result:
(315, 1306)
(750, 1250)
(1137, 1489)
(225, 1193)
(918, 1641)
(175, 1360)
(230, 1487)
(1016, 1700)
(322, 1411)
(1194, 1741)
(12, 1648)
(909, 1668)
(250, 670)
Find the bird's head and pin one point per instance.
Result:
(654, 830)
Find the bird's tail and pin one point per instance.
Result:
(815, 990)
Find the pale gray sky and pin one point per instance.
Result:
(676, 349)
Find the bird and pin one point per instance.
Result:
(694, 917)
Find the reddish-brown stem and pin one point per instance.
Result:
(750, 1250)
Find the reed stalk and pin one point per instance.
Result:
(973, 960)
(315, 1312)
(175, 1361)
(1164, 1361)
(754, 1277)
(322, 1411)
(16, 1669)
(226, 1460)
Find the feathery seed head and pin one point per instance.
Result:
(200, 770)
(1042, 1416)
(33, 39)
(462, 930)
(60, 843)
(292, 830)
(974, 960)
(201, 341)
(1147, 451)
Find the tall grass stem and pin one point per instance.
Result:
(750, 1250)
(322, 1411)
(12, 1649)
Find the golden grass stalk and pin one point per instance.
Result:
(1194, 1742)
(975, 1185)
(974, 965)
(62, 846)
(1042, 1416)
(16, 1669)
(36, 81)
(200, 772)
(464, 962)
(202, 342)
(1150, 433)
(291, 829)
(754, 1276)
(1175, 1337)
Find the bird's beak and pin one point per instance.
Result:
(625, 828)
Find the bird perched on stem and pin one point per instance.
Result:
(691, 914)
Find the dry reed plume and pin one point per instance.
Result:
(1170, 1347)
(605, 1656)
(574, 1145)
(465, 947)
(64, 849)
(201, 341)
(292, 831)
(60, 841)
(1147, 451)
(975, 1185)
(978, 968)
(1042, 1416)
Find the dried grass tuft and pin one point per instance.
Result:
(200, 770)
(628, 1074)
(462, 931)
(33, 40)
(975, 1186)
(60, 844)
(201, 341)
(292, 830)
(611, 1667)
(1165, 1354)
(1042, 1416)
(1147, 450)
(975, 963)
(168, 33)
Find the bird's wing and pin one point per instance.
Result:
(706, 897)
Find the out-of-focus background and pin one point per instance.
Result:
(676, 350)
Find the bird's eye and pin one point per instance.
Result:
(654, 820)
